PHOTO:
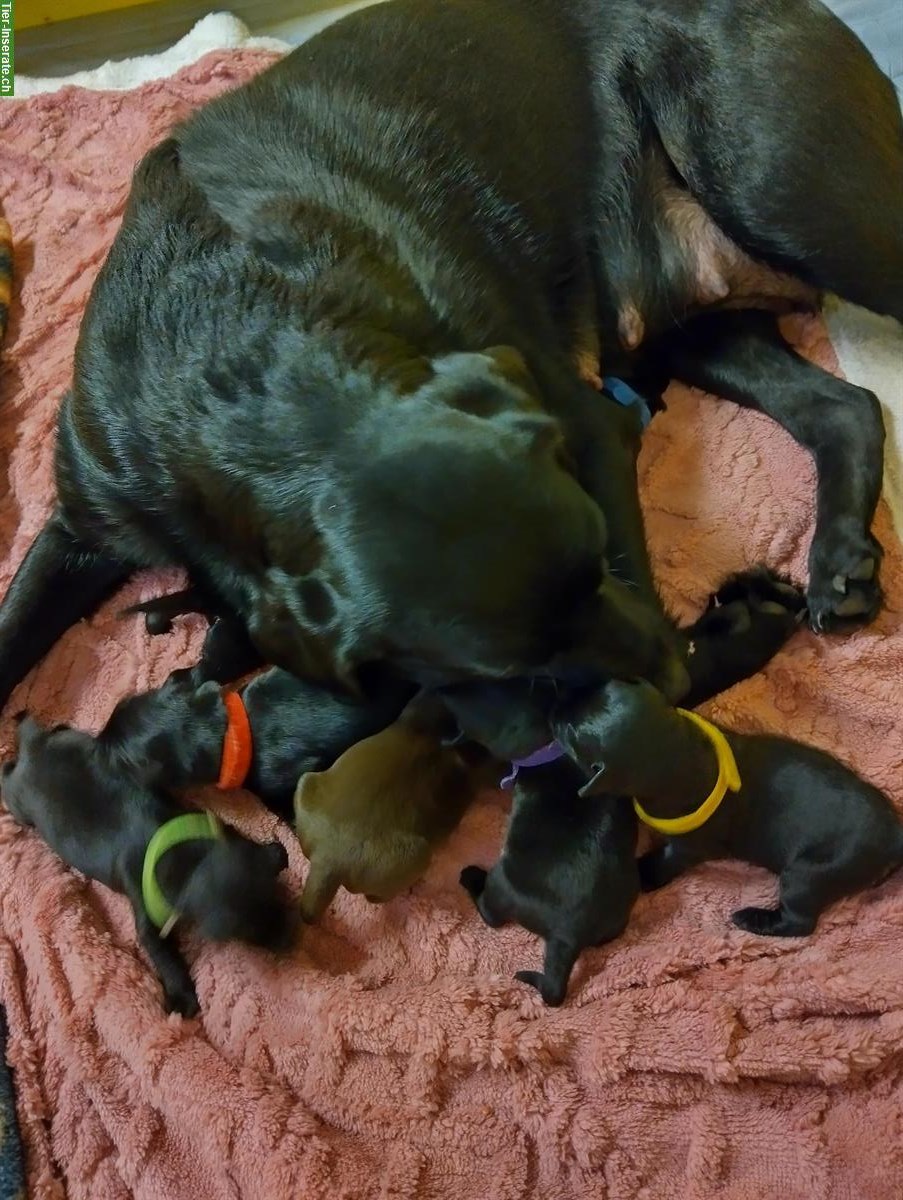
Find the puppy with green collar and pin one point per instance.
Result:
(795, 810)
(175, 867)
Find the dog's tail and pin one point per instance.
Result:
(320, 887)
(59, 582)
(552, 981)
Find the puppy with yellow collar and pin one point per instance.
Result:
(795, 810)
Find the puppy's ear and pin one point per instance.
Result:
(307, 788)
(596, 784)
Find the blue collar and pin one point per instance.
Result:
(622, 393)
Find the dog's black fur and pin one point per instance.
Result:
(567, 871)
(329, 363)
(99, 819)
(801, 813)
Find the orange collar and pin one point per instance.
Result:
(238, 744)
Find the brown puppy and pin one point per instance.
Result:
(372, 821)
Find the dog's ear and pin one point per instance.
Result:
(305, 626)
(534, 432)
(475, 378)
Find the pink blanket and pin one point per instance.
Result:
(393, 1056)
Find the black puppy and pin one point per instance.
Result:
(101, 821)
(790, 808)
(262, 736)
(567, 871)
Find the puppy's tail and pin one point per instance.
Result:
(552, 982)
(320, 887)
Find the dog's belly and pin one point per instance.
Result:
(705, 270)
(723, 275)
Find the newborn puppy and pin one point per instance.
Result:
(104, 823)
(371, 822)
(790, 808)
(188, 732)
(567, 872)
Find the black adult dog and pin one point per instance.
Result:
(329, 364)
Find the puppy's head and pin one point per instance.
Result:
(54, 768)
(457, 543)
(615, 734)
(235, 894)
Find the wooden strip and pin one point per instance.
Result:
(30, 13)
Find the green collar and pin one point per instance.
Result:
(190, 827)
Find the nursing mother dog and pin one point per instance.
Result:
(340, 361)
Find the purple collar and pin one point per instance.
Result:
(545, 754)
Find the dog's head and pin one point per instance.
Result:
(457, 543)
(616, 734)
(235, 894)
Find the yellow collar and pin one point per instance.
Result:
(728, 780)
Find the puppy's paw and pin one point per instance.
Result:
(552, 997)
(763, 594)
(771, 922)
(843, 581)
(473, 880)
(182, 998)
(653, 869)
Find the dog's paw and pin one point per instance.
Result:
(771, 922)
(552, 997)
(473, 880)
(843, 581)
(182, 998)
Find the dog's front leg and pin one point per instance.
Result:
(742, 356)
(172, 971)
(603, 438)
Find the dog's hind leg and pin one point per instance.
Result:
(742, 357)
(807, 889)
(60, 581)
(805, 172)
(552, 981)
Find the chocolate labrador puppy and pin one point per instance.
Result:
(338, 360)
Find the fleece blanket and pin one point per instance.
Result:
(393, 1055)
